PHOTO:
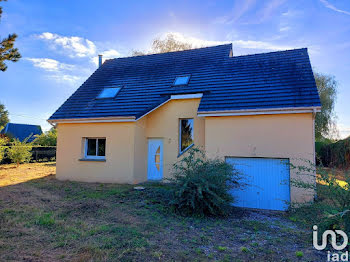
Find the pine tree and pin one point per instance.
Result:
(7, 50)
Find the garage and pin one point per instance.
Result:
(267, 181)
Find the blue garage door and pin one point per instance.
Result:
(267, 182)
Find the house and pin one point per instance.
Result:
(21, 131)
(135, 116)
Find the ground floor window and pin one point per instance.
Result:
(186, 134)
(95, 148)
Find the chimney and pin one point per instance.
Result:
(99, 60)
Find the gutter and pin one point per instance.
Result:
(265, 111)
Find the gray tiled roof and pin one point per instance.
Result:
(281, 79)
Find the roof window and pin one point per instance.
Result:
(181, 80)
(109, 92)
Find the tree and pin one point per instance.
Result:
(169, 44)
(4, 116)
(325, 122)
(47, 139)
(7, 50)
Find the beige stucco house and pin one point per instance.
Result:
(135, 117)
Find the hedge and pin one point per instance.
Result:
(334, 155)
(39, 153)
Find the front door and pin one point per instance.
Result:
(155, 159)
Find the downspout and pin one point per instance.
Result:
(313, 145)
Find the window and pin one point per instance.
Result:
(109, 92)
(186, 134)
(95, 148)
(181, 80)
(157, 158)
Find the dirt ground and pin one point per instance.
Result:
(11, 175)
(43, 219)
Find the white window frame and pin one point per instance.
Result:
(180, 141)
(86, 156)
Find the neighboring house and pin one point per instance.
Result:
(21, 131)
(135, 116)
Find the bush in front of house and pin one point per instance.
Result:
(20, 152)
(201, 186)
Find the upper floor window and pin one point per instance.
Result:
(95, 148)
(186, 134)
(108, 92)
(181, 80)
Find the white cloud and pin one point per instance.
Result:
(284, 28)
(108, 54)
(270, 8)
(237, 12)
(247, 44)
(332, 7)
(67, 79)
(291, 13)
(241, 8)
(74, 46)
(250, 44)
(50, 65)
(344, 131)
(57, 71)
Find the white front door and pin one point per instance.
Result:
(155, 159)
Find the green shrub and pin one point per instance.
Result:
(19, 152)
(3, 142)
(331, 209)
(335, 154)
(201, 186)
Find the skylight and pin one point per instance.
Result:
(108, 92)
(181, 80)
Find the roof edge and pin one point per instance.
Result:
(92, 120)
(185, 50)
(265, 111)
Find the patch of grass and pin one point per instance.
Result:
(45, 219)
(299, 254)
(221, 249)
(244, 250)
(99, 193)
(74, 221)
(256, 225)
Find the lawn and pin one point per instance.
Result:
(43, 219)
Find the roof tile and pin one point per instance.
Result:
(268, 80)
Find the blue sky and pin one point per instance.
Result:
(60, 40)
